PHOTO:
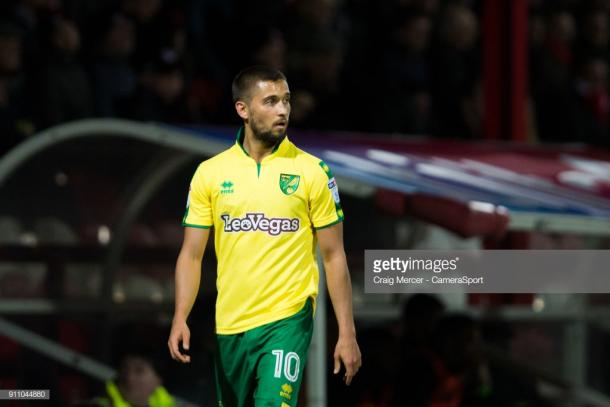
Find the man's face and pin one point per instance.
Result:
(268, 111)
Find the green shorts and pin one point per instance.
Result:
(264, 366)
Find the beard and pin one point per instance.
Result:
(268, 137)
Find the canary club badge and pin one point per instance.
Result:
(289, 183)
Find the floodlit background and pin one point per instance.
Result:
(450, 124)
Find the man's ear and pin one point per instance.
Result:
(242, 109)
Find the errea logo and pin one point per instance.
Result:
(226, 188)
(286, 391)
(253, 222)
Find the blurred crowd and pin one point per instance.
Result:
(437, 358)
(395, 66)
(569, 56)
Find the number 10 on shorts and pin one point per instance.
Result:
(289, 365)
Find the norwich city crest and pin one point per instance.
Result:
(289, 183)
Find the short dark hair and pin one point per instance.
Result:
(245, 80)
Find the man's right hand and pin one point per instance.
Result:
(180, 333)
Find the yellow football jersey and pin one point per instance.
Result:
(264, 218)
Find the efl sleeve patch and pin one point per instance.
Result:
(334, 189)
(325, 208)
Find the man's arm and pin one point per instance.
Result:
(330, 240)
(188, 276)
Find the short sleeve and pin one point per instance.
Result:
(198, 204)
(324, 202)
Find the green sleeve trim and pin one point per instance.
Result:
(330, 224)
(326, 169)
(195, 226)
(330, 175)
(186, 213)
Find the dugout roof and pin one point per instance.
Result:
(563, 188)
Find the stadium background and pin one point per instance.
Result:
(89, 226)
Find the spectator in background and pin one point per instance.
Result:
(268, 47)
(537, 33)
(176, 34)
(29, 15)
(204, 99)
(318, 101)
(15, 123)
(560, 38)
(317, 15)
(551, 77)
(472, 108)
(64, 92)
(149, 28)
(208, 22)
(143, 11)
(510, 387)
(407, 109)
(455, 67)
(112, 76)
(261, 46)
(158, 25)
(29, 12)
(379, 347)
(420, 315)
(595, 36)
(448, 371)
(419, 319)
(311, 22)
(139, 384)
(591, 103)
(428, 7)
(316, 33)
(159, 95)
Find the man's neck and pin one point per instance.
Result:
(255, 148)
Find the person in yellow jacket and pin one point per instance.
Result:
(158, 398)
(138, 384)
